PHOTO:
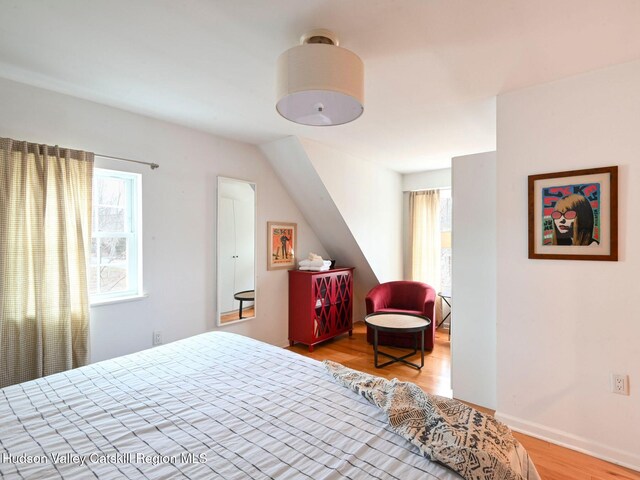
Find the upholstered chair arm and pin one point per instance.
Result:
(430, 304)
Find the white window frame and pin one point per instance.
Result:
(446, 193)
(132, 233)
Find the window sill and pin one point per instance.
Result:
(111, 301)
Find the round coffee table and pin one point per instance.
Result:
(245, 296)
(395, 322)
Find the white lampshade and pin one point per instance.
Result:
(320, 84)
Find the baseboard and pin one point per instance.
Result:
(573, 442)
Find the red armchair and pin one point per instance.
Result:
(407, 297)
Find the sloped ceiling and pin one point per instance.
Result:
(433, 67)
(291, 163)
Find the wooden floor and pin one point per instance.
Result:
(553, 462)
(235, 315)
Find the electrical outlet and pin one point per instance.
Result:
(620, 384)
(157, 337)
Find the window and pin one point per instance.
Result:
(445, 239)
(115, 265)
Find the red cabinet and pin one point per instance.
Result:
(320, 305)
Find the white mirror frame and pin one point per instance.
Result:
(219, 275)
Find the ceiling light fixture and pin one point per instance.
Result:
(320, 83)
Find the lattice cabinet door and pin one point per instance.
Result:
(322, 314)
(341, 302)
(320, 305)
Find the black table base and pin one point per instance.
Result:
(444, 299)
(403, 358)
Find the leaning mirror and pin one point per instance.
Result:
(236, 250)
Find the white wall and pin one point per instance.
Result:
(369, 198)
(290, 161)
(565, 326)
(427, 180)
(179, 212)
(473, 324)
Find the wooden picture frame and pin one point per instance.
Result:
(281, 245)
(573, 215)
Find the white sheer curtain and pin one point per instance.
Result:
(45, 243)
(424, 214)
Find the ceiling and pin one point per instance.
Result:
(432, 67)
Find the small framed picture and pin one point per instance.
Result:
(281, 245)
(573, 215)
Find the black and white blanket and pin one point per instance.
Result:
(471, 443)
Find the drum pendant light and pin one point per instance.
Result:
(320, 83)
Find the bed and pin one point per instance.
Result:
(216, 405)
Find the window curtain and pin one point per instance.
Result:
(45, 241)
(424, 214)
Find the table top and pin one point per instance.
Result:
(445, 293)
(246, 295)
(397, 321)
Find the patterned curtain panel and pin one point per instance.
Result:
(424, 213)
(45, 240)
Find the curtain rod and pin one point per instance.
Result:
(152, 165)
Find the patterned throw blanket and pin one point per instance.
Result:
(469, 442)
